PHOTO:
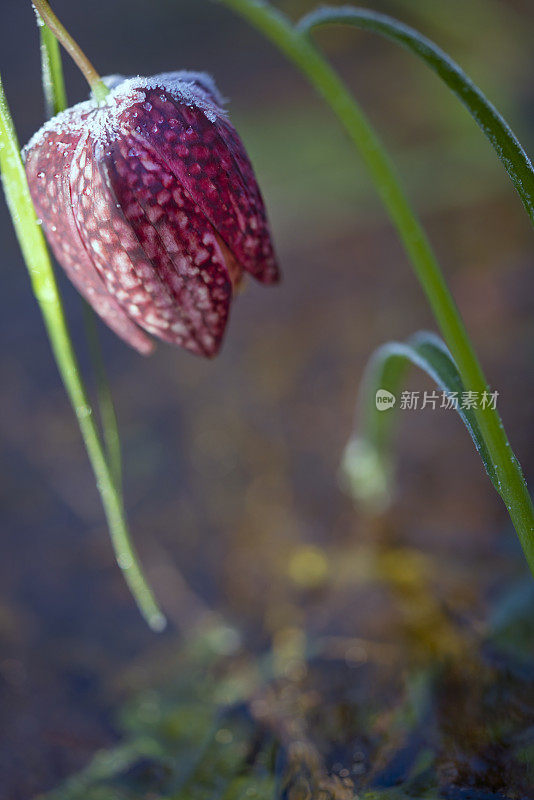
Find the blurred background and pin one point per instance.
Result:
(231, 467)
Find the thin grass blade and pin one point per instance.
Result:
(489, 120)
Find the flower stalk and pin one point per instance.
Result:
(45, 288)
(56, 101)
(299, 49)
(36, 256)
(51, 70)
(197, 306)
(47, 16)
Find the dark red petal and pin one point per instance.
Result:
(195, 144)
(177, 237)
(152, 207)
(126, 269)
(48, 163)
(264, 266)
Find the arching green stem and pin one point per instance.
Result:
(302, 52)
(492, 124)
(45, 289)
(56, 101)
(368, 464)
(45, 13)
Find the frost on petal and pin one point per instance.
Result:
(201, 82)
(49, 159)
(151, 205)
(205, 154)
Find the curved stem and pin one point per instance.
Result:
(301, 51)
(33, 246)
(45, 13)
(490, 121)
(56, 101)
(367, 462)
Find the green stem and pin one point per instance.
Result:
(301, 51)
(108, 417)
(56, 101)
(51, 70)
(492, 124)
(45, 289)
(46, 15)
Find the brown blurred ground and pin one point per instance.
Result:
(231, 466)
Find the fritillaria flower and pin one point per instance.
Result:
(151, 206)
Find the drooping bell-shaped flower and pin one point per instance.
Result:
(150, 204)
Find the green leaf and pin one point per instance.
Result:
(181, 742)
(367, 462)
(490, 121)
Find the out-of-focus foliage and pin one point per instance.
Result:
(334, 719)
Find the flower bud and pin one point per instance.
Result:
(151, 206)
